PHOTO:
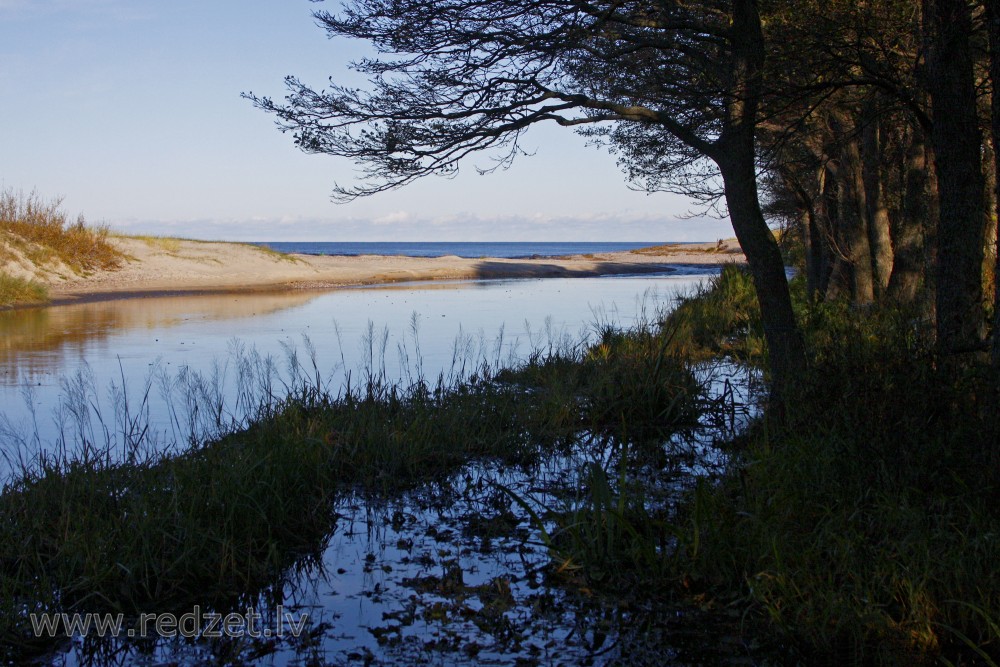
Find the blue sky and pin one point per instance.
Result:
(130, 110)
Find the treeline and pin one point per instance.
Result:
(878, 149)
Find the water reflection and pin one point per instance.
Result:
(454, 573)
(46, 340)
(108, 355)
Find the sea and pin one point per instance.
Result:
(473, 249)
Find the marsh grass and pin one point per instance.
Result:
(41, 231)
(612, 539)
(641, 408)
(860, 529)
(15, 290)
(132, 528)
(721, 318)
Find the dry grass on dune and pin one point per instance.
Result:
(40, 232)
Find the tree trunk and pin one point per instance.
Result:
(784, 341)
(826, 212)
(853, 209)
(990, 222)
(928, 302)
(908, 263)
(957, 148)
(810, 208)
(734, 153)
(993, 27)
(877, 209)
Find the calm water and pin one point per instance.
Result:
(461, 249)
(411, 581)
(53, 357)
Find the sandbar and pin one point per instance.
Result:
(158, 267)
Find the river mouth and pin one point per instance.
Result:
(467, 568)
(126, 347)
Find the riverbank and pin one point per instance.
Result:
(160, 266)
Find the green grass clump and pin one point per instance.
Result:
(41, 231)
(631, 391)
(14, 290)
(216, 525)
(720, 319)
(627, 385)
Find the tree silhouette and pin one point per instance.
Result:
(675, 87)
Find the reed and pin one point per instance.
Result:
(720, 319)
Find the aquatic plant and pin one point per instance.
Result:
(127, 527)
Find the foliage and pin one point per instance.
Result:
(863, 527)
(629, 385)
(721, 319)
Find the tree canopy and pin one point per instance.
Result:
(672, 85)
(461, 76)
(865, 124)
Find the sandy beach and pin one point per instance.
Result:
(169, 266)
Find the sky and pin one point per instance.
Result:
(130, 112)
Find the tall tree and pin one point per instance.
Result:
(675, 86)
(850, 69)
(872, 148)
(993, 30)
(957, 142)
(909, 261)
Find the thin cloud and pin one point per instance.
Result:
(407, 226)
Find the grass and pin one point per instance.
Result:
(722, 319)
(275, 254)
(42, 233)
(862, 528)
(16, 290)
(168, 244)
(172, 245)
(221, 521)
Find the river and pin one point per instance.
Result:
(400, 581)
